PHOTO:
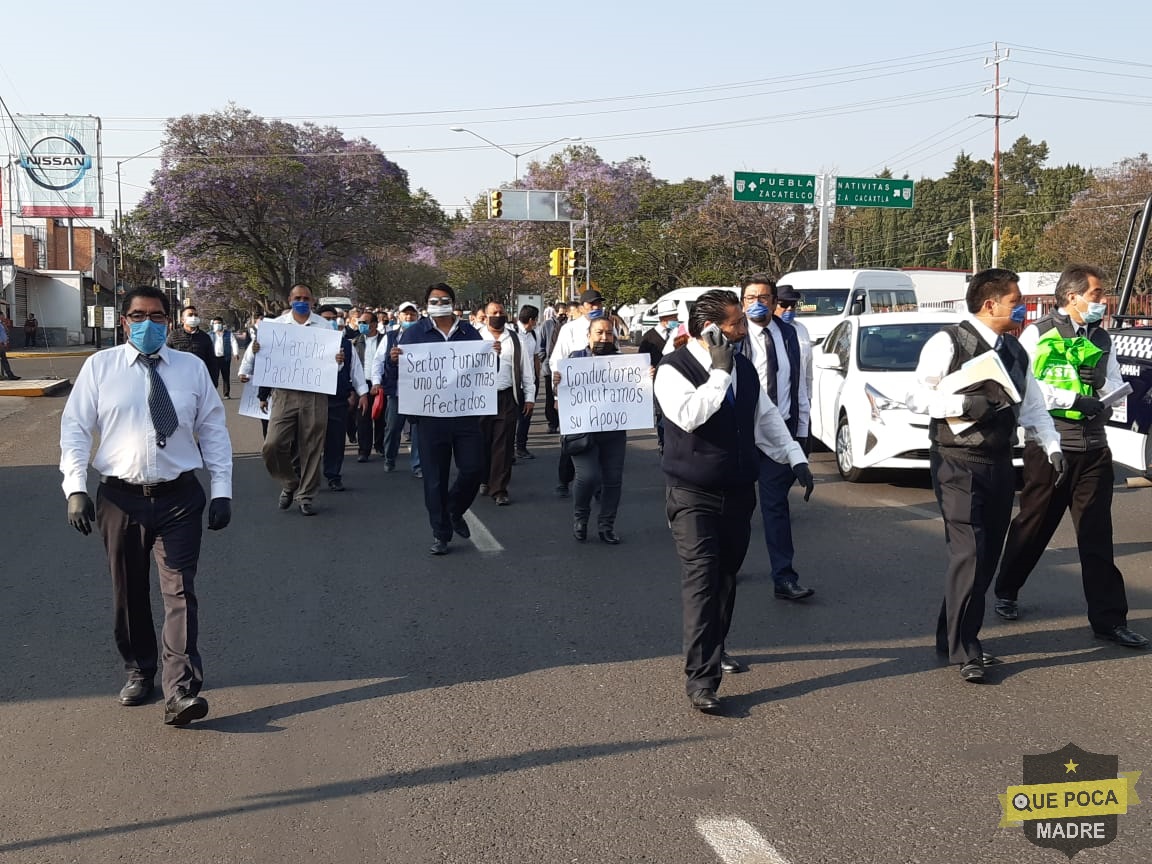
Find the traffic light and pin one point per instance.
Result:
(495, 204)
(570, 262)
(556, 262)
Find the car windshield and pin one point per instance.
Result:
(894, 347)
(827, 301)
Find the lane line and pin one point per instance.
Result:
(923, 512)
(737, 842)
(482, 538)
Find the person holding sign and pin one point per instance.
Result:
(598, 456)
(718, 420)
(1072, 357)
(442, 438)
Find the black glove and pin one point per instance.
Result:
(219, 513)
(1088, 375)
(977, 407)
(1059, 465)
(805, 442)
(1089, 406)
(721, 356)
(81, 512)
(804, 476)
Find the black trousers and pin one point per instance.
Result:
(976, 502)
(169, 528)
(439, 439)
(1087, 492)
(711, 529)
(499, 431)
(334, 438)
(222, 371)
(551, 411)
(369, 432)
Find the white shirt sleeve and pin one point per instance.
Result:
(76, 424)
(528, 370)
(687, 406)
(804, 396)
(248, 364)
(935, 360)
(211, 431)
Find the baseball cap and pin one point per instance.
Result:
(592, 296)
(407, 304)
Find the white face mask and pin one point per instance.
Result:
(440, 311)
(1095, 312)
(192, 321)
(339, 322)
(217, 326)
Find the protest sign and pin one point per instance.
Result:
(292, 357)
(602, 394)
(250, 403)
(450, 379)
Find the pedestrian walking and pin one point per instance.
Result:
(5, 366)
(351, 390)
(189, 338)
(224, 350)
(386, 374)
(515, 389)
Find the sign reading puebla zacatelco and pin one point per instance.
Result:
(774, 188)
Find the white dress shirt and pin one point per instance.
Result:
(110, 400)
(572, 337)
(759, 359)
(506, 361)
(218, 343)
(690, 407)
(1058, 397)
(935, 361)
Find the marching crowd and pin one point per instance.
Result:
(731, 385)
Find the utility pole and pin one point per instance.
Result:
(972, 223)
(996, 87)
(826, 183)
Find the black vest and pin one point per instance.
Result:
(344, 374)
(721, 453)
(792, 349)
(994, 436)
(1081, 435)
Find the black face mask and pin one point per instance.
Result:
(562, 318)
(599, 348)
(497, 322)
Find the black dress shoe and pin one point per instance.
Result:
(306, 508)
(461, 527)
(1123, 636)
(1009, 610)
(704, 700)
(973, 671)
(792, 591)
(562, 490)
(136, 691)
(439, 547)
(608, 536)
(483, 489)
(580, 529)
(990, 660)
(731, 665)
(336, 485)
(183, 708)
(285, 499)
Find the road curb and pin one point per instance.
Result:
(34, 387)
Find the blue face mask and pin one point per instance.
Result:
(1019, 313)
(788, 315)
(363, 328)
(147, 336)
(404, 325)
(671, 326)
(757, 311)
(335, 324)
(302, 307)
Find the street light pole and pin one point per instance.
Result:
(515, 156)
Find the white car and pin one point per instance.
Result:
(861, 377)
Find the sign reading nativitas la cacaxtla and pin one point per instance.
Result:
(295, 357)
(605, 394)
(452, 379)
(874, 192)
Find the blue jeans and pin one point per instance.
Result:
(394, 423)
(775, 481)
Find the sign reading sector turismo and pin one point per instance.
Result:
(453, 379)
(292, 357)
(774, 188)
(874, 192)
(603, 394)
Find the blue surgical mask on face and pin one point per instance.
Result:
(363, 328)
(1095, 312)
(404, 325)
(757, 311)
(671, 326)
(335, 324)
(1019, 313)
(301, 307)
(147, 336)
(788, 315)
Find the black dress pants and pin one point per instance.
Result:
(975, 499)
(334, 438)
(499, 431)
(440, 439)
(170, 528)
(711, 529)
(222, 373)
(1087, 492)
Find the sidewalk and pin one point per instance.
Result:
(41, 353)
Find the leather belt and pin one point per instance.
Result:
(151, 490)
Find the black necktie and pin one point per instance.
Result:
(773, 363)
(159, 403)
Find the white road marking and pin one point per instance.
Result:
(923, 512)
(482, 538)
(737, 842)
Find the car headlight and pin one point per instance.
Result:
(878, 402)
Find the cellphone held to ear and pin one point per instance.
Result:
(712, 336)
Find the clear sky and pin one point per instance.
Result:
(848, 87)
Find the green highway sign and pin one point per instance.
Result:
(774, 188)
(874, 192)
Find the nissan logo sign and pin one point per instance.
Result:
(56, 162)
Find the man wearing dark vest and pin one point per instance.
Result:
(1071, 386)
(718, 421)
(515, 395)
(774, 349)
(349, 379)
(972, 434)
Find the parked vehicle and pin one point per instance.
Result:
(685, 298)
(827, 297)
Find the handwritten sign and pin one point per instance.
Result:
(250, 403)
(603, 394)
(452, 379)
(292, 357)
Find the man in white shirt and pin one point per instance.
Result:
(226, 350)
(973, 433)
(158, 418)
(528, 317)
(718, 422)
(515, 387)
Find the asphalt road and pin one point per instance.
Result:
(525, 703)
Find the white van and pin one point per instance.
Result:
(685, 299)
(829, 296)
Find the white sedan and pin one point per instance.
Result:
(862, 374)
